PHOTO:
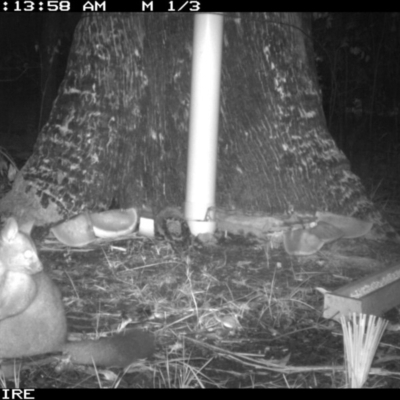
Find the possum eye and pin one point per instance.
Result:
(29, 254)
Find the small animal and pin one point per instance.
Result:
(32, 316)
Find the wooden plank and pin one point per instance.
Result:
(374, 295)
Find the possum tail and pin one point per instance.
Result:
(117, 351)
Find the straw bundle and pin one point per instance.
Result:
(361, 334)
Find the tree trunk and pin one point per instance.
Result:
(118, 130)
(57, 31)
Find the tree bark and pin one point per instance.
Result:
(57, 32)
(117, 133)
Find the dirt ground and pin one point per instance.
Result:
(230, 314)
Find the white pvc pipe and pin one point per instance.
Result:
(204, 113)
(146, 227)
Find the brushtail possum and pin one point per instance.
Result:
(32, 316)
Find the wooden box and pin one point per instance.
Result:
(374, 295)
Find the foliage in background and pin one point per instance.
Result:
(356, 56)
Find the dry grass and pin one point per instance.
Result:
(223, 316)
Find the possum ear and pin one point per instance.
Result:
(10, 230)
(26, 227)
